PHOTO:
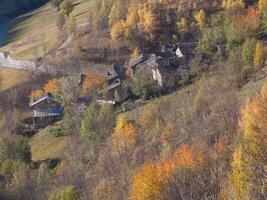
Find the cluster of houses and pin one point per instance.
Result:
(161, 68)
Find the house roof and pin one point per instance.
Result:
(187, 48)
(48, 97)
(114, 85)
(136, 61)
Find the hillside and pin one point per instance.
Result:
(13, 8)
(133, 100)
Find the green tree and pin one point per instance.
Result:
(65, 193)
(248, 51)
(67, 7)
(259, 56)
(141, 86)
(97, 122)
(14, 147)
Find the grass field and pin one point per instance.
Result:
(34, 33)
(11, 77)
(45, 147)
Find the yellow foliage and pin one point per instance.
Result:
(117, 30)
(248, 158)
(182, 25)
(232, 3)
(238, 176)
(149, 181)
(200, 17)
(261, 5)
(124, 136)
(259, 56)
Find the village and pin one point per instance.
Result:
(154, 75)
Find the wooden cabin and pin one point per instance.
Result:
(46, 110)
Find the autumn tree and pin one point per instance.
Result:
(91, 83)
(118, 11)
(52, 85)
(124, 136)
(261, 6)
(116, 31)
(249, 159)
(232, 3)
(35, 94)
(182, 25)
(165, 180)
(200, 17)
(259, 56)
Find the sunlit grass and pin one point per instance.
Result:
(11, 77)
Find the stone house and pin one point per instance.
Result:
(163, 66)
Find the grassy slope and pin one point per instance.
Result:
(11, 77)
(34, 33)
(44, 147)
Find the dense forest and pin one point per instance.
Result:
(203, 136)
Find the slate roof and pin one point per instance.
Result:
(136, 61)
(48, 97)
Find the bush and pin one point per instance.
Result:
(56, 131)
(65, 193)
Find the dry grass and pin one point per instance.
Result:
(11, 77)
(45, 147)
(35, 33)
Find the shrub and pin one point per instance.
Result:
(65, 193)
(56, 131)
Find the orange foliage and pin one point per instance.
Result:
(35, 94)
(92, 81)
(250, 20)
(51, 85)
(148, 182)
